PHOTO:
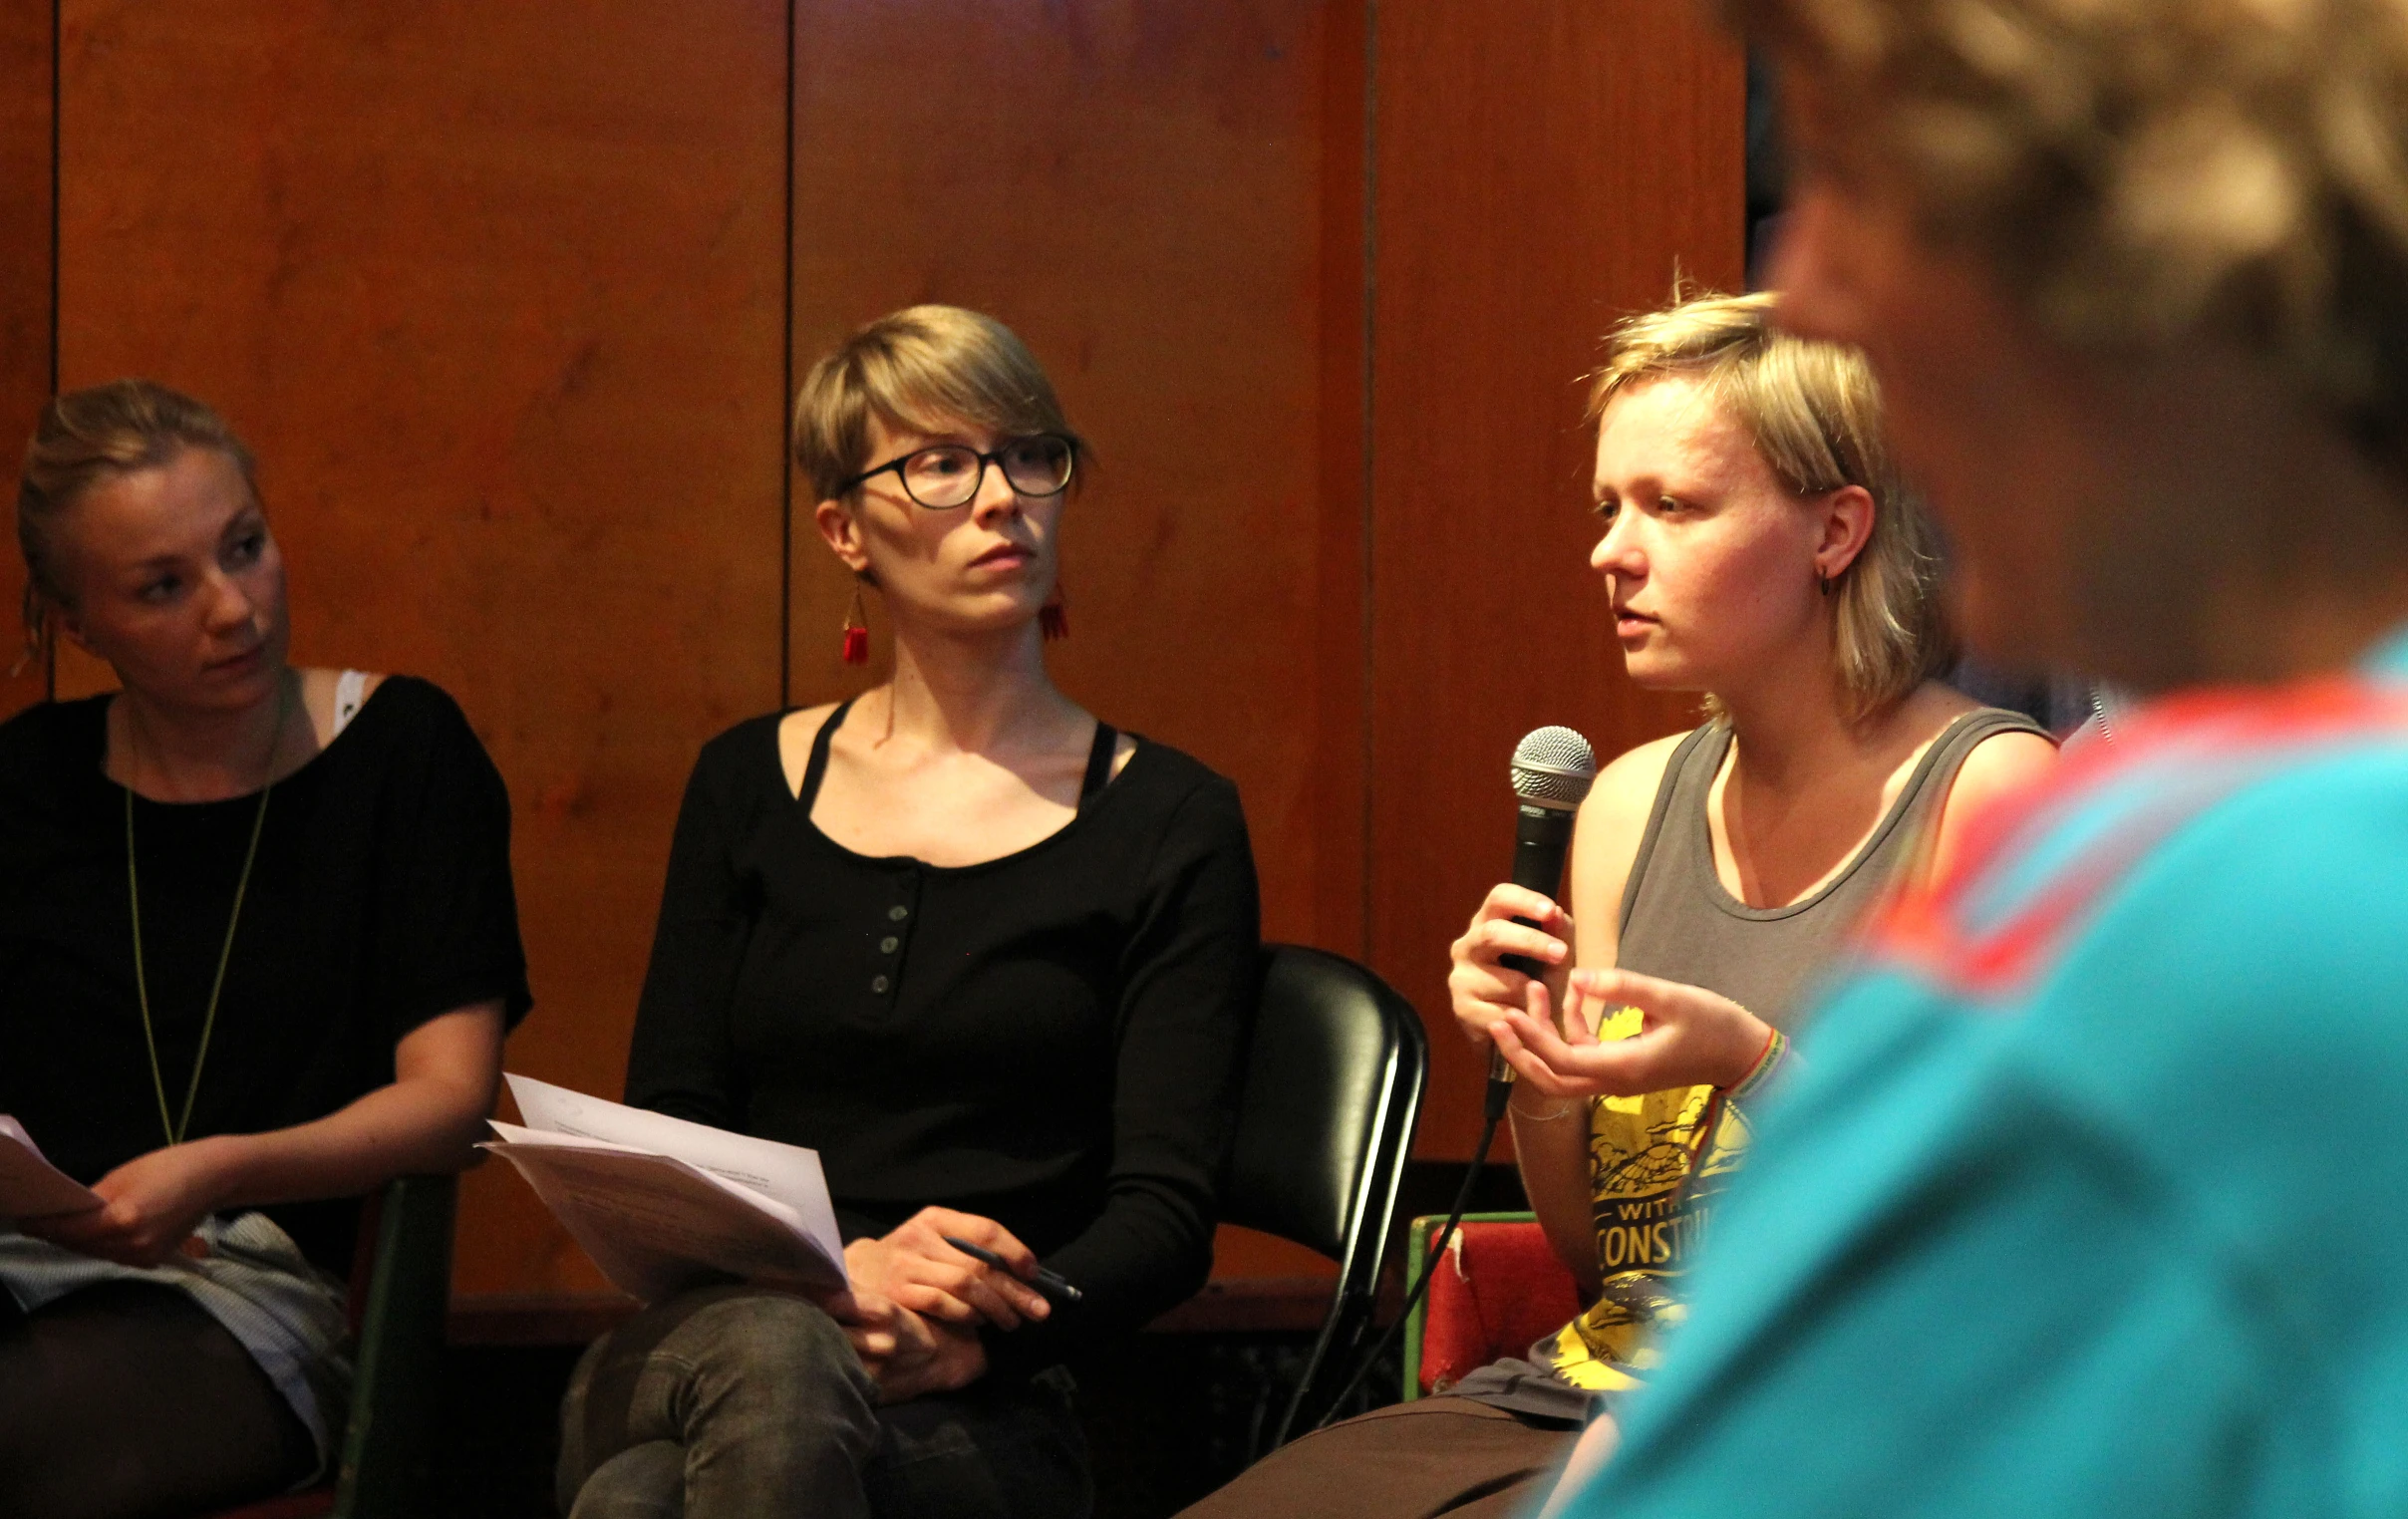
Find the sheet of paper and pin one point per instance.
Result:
(787, 1172)
(786, 1218)
(29, 1186)
(654, 1224)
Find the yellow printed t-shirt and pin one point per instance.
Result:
(1650, 1218)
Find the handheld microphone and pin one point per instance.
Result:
(1553, 768)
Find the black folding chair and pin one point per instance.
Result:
(401, 1292)
(1333, 1093)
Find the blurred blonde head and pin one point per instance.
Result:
(1813, 411)
(2145, 173)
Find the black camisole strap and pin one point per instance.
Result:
(816, 770)
(1100, 761)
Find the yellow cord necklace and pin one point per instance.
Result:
(176, 1128)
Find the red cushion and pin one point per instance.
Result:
(1499, 1289)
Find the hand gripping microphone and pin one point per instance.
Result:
(1551, 771)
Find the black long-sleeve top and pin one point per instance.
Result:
(1052, 1040)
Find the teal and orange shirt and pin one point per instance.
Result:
(2091, 1195)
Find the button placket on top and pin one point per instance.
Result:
(890, 942)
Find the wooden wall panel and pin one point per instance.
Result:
(25, 99)
(1539, 171)
(502, 295)
(1135, 189)
(497, 292)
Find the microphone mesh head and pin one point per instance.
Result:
(1552, 766)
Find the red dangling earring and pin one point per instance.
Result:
(1054, 618)
(857, 631)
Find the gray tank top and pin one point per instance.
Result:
(1680, 924)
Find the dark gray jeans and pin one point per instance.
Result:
(733, 1401)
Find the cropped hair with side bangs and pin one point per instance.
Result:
(1814, 413)
(922, 368)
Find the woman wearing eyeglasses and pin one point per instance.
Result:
(990, 957)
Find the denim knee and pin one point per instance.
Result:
(771, 1352)
(645, 1481)
(716, 1369)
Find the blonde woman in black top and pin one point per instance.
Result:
(990, 958)
(257, 952)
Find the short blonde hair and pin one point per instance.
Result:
(92, 436)
(2148, 172)
(920, 367)
(1814, 413)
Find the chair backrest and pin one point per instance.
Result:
(389, 1445)
(400, 1296)
(1333, 1092)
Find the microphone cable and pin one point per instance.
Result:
(1493, 1113)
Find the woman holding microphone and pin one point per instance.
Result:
(1757, 549)
(990, 957)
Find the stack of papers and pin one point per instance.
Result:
(662, 1204)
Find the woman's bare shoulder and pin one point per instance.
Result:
(805, 723)
(2004, 763)
(1628, 782)
(797, 732)
(1998, 766)
(2003, 760)
(1611, 822)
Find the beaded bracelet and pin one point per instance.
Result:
(1776, 1045)
(1564, 1109)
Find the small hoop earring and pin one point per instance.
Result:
(856, 631)
(1825, 581)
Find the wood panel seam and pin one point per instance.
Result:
(785, 399)
(58, 103)
(1365, 506)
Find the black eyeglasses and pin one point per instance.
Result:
(946, 475)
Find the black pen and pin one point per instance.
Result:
(1053, 1284)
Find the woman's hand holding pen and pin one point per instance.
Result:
(927, 1273)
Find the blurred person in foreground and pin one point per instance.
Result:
(2085, 1199)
